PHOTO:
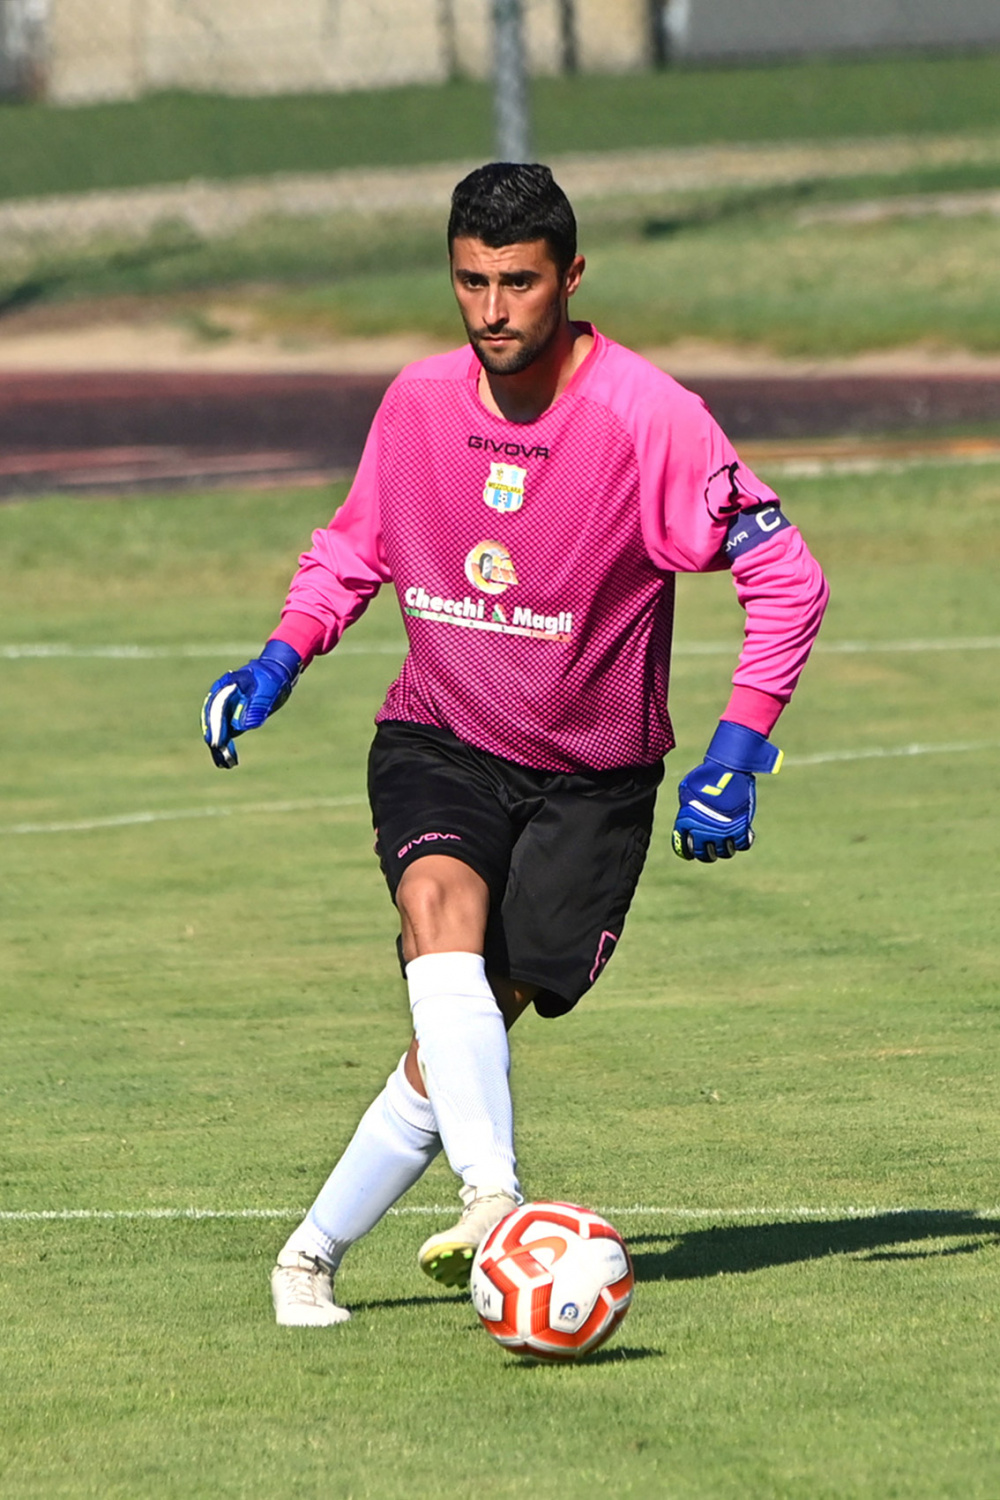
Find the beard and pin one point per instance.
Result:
(525, 348)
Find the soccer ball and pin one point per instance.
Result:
(552, 1281)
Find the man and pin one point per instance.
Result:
(531, 500)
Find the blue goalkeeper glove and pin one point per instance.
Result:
(243, 699)
(718, 797)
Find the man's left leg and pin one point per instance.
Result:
(392, 1147)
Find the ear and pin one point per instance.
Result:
(574, 274)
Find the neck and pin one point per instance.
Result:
(525, 396)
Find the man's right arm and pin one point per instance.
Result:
(336, 579)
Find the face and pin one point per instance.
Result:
(512, 299)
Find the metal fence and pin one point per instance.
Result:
(22, 48)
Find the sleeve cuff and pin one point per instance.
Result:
(754, 709)
(301, 632)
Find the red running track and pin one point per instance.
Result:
(93, 433)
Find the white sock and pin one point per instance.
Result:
(392, 1147)
(465, 1062)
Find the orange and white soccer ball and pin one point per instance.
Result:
(552, 1281)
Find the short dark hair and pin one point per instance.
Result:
(506, 202)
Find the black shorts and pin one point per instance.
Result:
(560, 852)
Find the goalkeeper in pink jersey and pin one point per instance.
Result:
(531, 498)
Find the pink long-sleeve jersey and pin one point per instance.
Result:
(535, 563)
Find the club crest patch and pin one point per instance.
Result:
(504, 489)
(489, 567)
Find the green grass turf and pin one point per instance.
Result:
(196, 1011)
(759, 279)
(171, 137)
(732, 269)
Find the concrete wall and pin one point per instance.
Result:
(113, 49)
(614, 38)
(119, 49)
(104, 49)
(747, 28)
(93, 52)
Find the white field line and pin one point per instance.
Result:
(827, 757)
(309, 804)
(953, 643)
(243, 652)
(633, 1211)
(57, 651)
(819, 468)
(854, 648)
(236, 809)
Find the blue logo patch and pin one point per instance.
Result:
(569, 1310)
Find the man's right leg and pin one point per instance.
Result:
(443, 903)
(392, 1147)
(420, 782)
(398, 1136)
(464, 1059)
(461, 1053)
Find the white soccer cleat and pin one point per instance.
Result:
(302, 1289)
(447, 1257)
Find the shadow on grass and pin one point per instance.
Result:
(737, 203)
(731, 205)
(386, 1304)
(737, 1249)
(617, 1354)
(165, 243)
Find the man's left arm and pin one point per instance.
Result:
(783, 592)
(704, 510)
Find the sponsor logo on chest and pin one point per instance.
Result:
(474, 614)
(489, 567)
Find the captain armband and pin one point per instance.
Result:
(748, 528)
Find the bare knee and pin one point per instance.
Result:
(443, 905)
(512, 996)
(512, 1000)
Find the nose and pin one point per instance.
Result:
(495, 312)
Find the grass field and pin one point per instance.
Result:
(171, 137)
(750, 277)
(736, 267)
(784, 1088)
(732, 263)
